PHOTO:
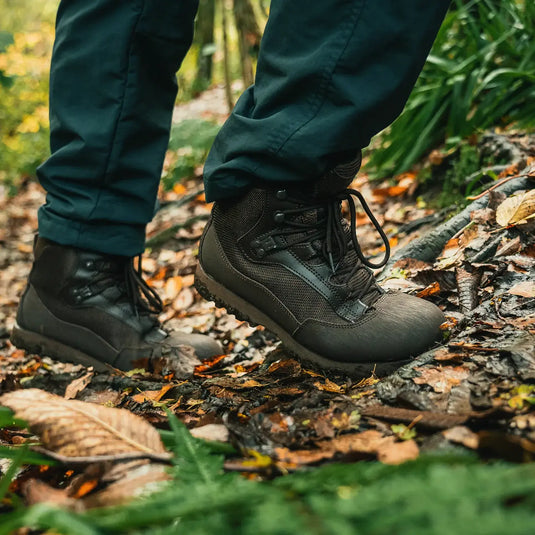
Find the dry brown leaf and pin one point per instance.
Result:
(285, 367)
(172, 288)
(153, 395)
(365, 442)
(523, 421)
(462, 435)
(524, 289)
(211, 432)
(432, 289)
(78, 429)
(391, 191)
(368, 442)
(250, 383)
(36, 491)
(76, 386)
(135, 483)
(445, 355)
(509, 247)
(110, 398)
(184, 300)
(516, 209)
(442, 380)
(329, 386)
(397, 452)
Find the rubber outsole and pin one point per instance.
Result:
(211, 290)
(33, 342)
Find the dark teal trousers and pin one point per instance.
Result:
(331, 74)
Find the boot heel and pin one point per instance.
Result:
(38, 344)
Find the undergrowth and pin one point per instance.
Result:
(432, 495)
(480, 74)
(189, 145)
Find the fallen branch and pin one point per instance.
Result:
(428, 247)
(529, 174)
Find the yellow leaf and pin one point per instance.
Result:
(516, 209)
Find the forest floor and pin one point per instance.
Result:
(474, 391)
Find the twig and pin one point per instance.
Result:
(130, 456)
(168, 233)
(528, 174)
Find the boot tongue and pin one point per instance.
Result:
(337, 179)
(359, 278)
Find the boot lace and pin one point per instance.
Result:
(128, 279)
(322, 224)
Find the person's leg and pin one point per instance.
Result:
(276, 251)
(330, 76)
(112, 92)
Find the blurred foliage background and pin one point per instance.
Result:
(480, 75)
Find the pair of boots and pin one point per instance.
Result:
(283, 258)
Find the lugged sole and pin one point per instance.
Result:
(41, 345)
(211, 290)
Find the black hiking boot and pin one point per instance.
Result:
(95, 309)
(287, 259)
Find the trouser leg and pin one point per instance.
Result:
(112, 91)
(331, 74)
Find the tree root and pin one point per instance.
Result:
(428, 247)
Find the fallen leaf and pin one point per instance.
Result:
(445, 355)
(462, 435)
(76, 386)
(523, 289)
(509, 247)
(432, 289)
(134, 483)
(516, 209)
(523, 421)
(78, 429)
(36, 491)
(285, 367)
(398, 452)
(391, 191)
(208, 364)
(366, 442)
(442, 380)
(329, 386)
(172, 288)
(301, 457)
(110, 398)
(211, 432)
(152, 395)
(184, 300)
(403, 432)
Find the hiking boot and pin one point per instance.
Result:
(95, 309)
(287, 259)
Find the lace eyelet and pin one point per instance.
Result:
(279, 217)
(281, 194)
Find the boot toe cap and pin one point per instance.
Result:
(397, 328)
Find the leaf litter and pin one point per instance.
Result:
(473, 391)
